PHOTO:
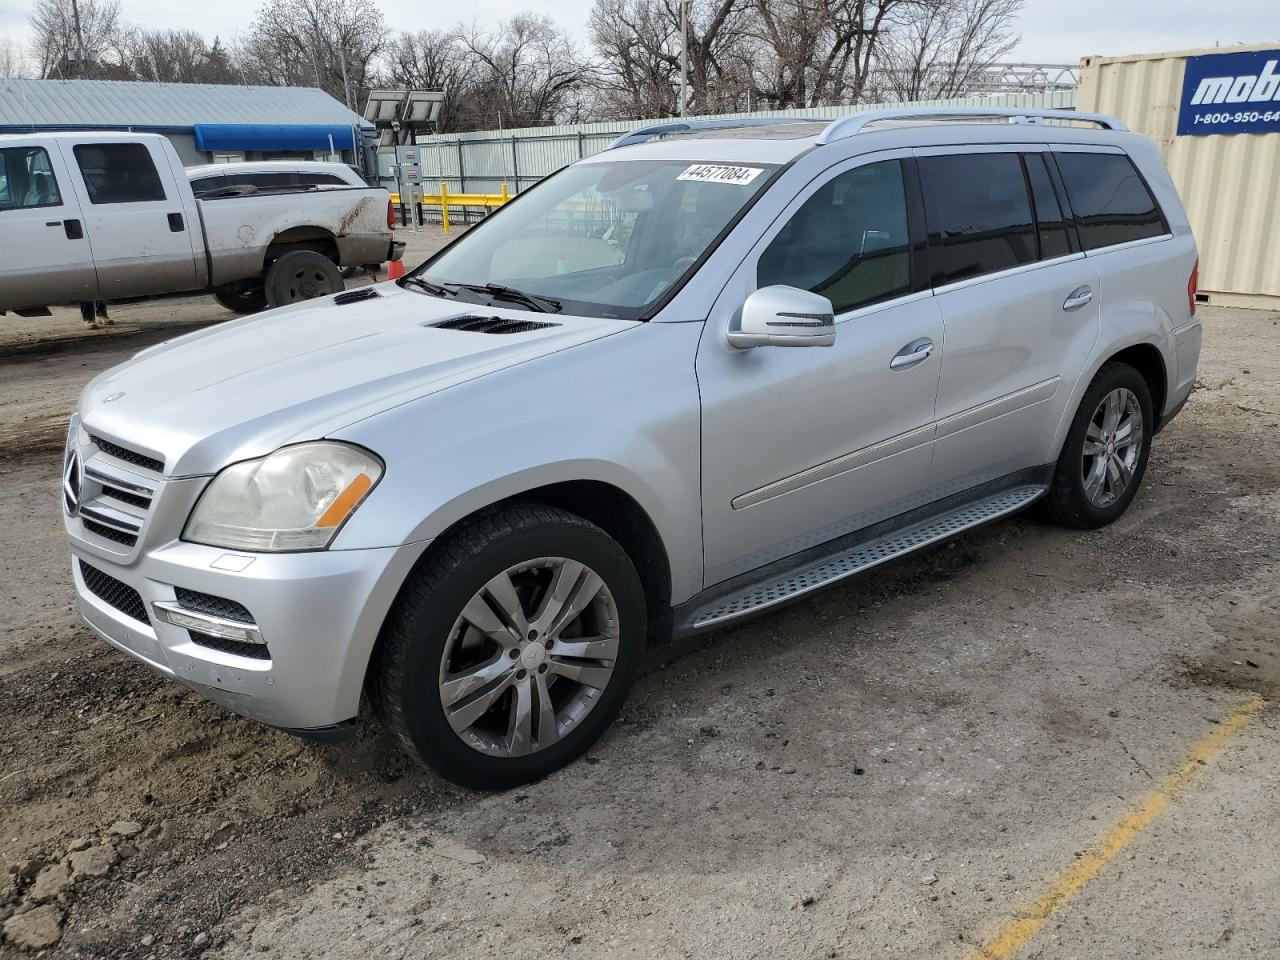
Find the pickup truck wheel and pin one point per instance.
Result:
(242, 301)
(301, 275)
(512, 649)
(1105, 455)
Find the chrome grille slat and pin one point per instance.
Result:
(101, 512)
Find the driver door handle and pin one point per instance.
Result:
(917, 351)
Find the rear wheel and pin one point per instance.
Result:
(1105, 455)
(513, 648)
(301, 275)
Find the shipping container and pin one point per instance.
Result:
(1215, 115)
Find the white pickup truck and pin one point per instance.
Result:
(111, 216)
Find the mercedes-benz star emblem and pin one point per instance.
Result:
(72, 481)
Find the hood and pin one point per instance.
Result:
(244, 388)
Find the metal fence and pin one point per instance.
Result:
(482, 162)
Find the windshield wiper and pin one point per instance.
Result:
(432, 288)
(496, 290)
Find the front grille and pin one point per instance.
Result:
(114, 500)
(114, 593)
(213, 606)
(499, 325)
(254, 651)
(128, 456)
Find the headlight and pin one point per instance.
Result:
(295, 499)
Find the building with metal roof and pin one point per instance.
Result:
(207, 123)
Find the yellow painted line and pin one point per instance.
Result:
(1011, 938)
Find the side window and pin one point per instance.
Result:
(848, 242)
(321, 180)
(118, 173)
(1054, 240)
(1110, 200)
(978, 215)
(26, 179)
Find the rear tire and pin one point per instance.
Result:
(512, 649)
(1105, 454)
(247, 301)
(301, 275)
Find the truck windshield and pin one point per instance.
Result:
(597, 239)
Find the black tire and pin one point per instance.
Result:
(1066, 502)
(416, 636)
(301, 275)
(251, 300)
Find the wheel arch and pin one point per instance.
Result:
(606, 505)
(309, 237)
(1145, 356)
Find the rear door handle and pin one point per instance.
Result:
(1077, 298)
(917, 351)
(175, 222)
(73, 229)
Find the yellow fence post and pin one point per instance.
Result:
(505, 197)
(444, 206)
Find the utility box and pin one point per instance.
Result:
(1215, 115)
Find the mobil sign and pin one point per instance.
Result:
(1231, 93)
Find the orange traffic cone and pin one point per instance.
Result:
(395, 269)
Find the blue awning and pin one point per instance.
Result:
(273, 136)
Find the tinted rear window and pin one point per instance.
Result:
(978, 214)
(1110, 200)
(118, 173)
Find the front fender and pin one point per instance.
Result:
(622, 410)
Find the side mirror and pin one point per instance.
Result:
(781, 316)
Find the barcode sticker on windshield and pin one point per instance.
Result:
(717, 173)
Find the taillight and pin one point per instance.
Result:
(391, 215)
(1193, 284)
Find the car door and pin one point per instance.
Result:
(800, 446)
(134, 217)
(45, 256)
(1019, 308)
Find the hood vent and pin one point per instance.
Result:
(355, 296)
(501, 325)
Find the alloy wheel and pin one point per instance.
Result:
(529, 657)
(1112, 447)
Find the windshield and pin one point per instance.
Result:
(598, 239)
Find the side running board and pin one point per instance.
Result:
(797, 582)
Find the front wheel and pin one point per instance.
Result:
(243, 301)
(512, 648)
(1105, 455)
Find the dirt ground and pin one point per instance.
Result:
(897, 767)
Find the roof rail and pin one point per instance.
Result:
(641, 134)
(851, 125)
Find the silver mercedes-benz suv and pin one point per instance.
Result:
(476, 492)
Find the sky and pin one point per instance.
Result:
(1053, 31)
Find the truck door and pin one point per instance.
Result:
(44, 253)
(135, 218)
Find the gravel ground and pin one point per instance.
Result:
(895, 767)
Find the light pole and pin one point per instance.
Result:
(684, 56)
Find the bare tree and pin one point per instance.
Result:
(437, 60)
(639, 45)
(527, 73)
(13, 59)
(943, 50)
(330, 44)
(812, 53)
(94, 51)
(178, 56)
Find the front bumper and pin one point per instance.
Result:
(317, 613)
